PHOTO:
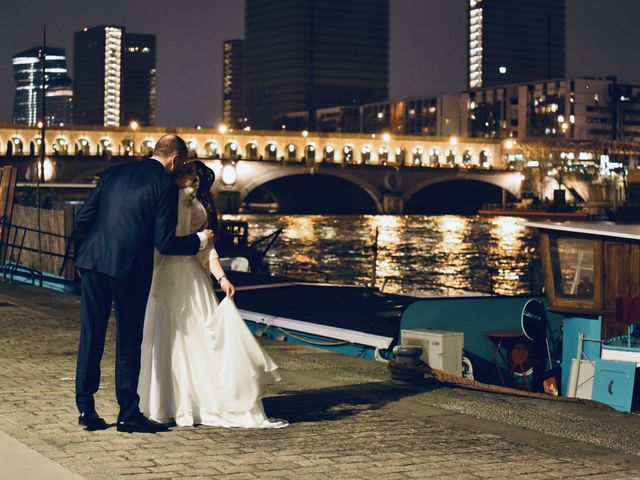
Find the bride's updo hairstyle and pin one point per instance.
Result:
(206, 177)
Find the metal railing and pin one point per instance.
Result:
(12, 252)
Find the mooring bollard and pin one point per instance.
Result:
(406, 355)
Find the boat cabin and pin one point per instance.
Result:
(592, 277)
(591, 269)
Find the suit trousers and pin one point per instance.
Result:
(129, 298)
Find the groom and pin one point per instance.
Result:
(131, 210)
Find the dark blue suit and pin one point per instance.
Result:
(131, 210)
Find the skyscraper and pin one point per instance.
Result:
(114, 76)
(233, 111)
(97, 70)
(27, 71)
(301, 55)
(513, 41)
(139, 79)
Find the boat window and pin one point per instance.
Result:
(572, 262)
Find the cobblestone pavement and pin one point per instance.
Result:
(346, 420)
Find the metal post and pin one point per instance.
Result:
(375, 259)
(491, 281)
(40, 164)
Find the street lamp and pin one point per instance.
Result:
(134, 126)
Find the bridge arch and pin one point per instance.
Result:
(271, 151)
(365, 154)
(212, 149)
(310, 153)
(146, 147)
(291, 151)
(251, 151)
(434, 157)
(329, 153)
(15, 146)
(347, 154)
(468, 157)
(82, 147)
(60, 145)
(450, 156)
(105, 146)
(457, 194)
(484, 158)
(232, 150)
(36, 142)
(192, 145)
(383, 155)
(127, 147)
(355, 191)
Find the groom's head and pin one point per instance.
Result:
(173, 152)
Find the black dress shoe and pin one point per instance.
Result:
(140, 424)
(91, 421)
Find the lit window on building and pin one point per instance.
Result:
(112, 71)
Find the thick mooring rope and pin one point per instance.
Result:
(404, 371)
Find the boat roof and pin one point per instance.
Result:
(600, 229)
(353, 313)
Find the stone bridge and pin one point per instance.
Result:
(297, 170)
(363, 188)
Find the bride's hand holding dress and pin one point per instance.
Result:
(218, 273)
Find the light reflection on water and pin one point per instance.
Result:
(443, 253)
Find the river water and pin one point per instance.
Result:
(445, 254)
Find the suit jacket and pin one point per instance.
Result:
(131, 210)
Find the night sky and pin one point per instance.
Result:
(427, 44)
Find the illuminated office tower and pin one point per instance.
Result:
(114, 77)
(305, 55)
(233, 109)
(27, 72)
(514, 41)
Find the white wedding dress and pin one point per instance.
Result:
(200, 363)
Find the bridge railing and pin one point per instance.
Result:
(539, 207)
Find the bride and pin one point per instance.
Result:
(200, 364)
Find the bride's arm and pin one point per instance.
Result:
(216, 270)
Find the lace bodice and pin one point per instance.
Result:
(192, 217)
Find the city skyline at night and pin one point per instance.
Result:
(427, 46)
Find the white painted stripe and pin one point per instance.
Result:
(57, 185)
(20, 462)
(315, 329)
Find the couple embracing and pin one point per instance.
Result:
(180, 355)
